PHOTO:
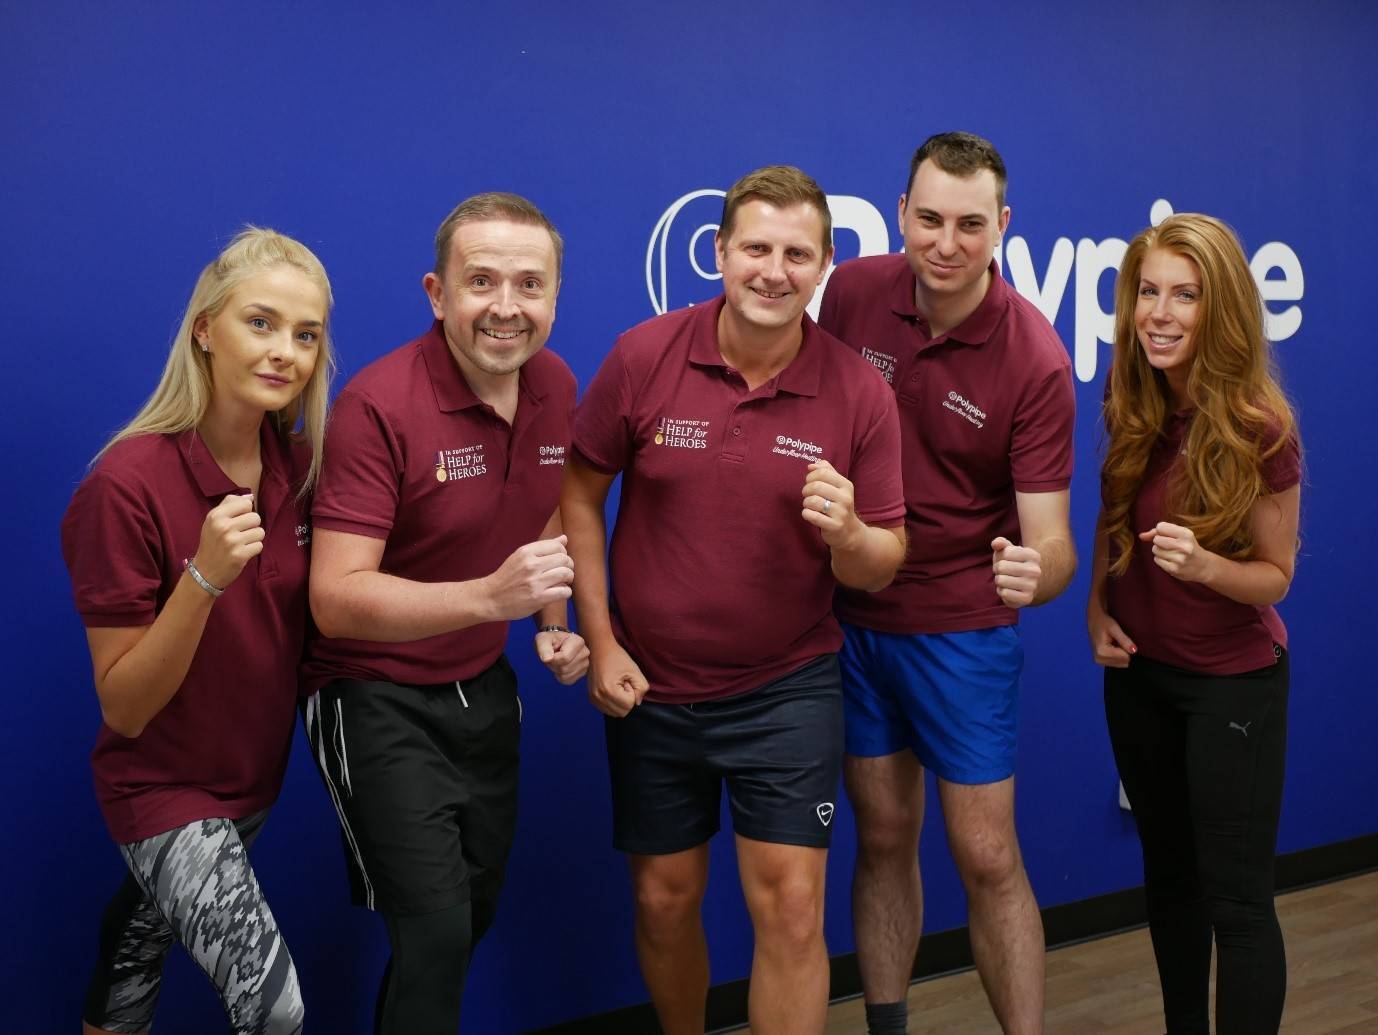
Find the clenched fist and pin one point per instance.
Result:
(1018, 570)
(231, 536)
(534, 575)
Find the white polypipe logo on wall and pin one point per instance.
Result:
(668, 281)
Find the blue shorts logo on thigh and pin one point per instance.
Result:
(951, 698)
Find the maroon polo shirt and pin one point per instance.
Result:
(1185, 623)
(219, 746)
(414, 457)
(718, 583)
(985, 410)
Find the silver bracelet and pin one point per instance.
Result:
(200, 579)
(552, 629)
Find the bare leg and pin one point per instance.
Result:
(887, 795)
(669, 935)
(1006, 929)
(783, 885)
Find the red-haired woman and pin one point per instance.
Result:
(1196, 542)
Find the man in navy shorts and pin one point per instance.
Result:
(760, 467)
(931, 665)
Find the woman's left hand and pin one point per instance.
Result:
(1177, 552)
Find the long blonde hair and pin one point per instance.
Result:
(184, 391)
(1232, 383)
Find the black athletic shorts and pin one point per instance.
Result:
(424, 779)
(779, 747)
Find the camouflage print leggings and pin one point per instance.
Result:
(195, 884)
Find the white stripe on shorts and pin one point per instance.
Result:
(316, 735)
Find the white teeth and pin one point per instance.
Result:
(1162, 339)
(501, 335)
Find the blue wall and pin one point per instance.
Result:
(137, 139)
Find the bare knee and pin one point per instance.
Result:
(666, 902)
(988, 860)
(788, 914)
(887, 798)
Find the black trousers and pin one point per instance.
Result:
(1201, 758)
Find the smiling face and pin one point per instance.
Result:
(771, 264)
(951, 225)
(496, 296)
(264, 343)
(1166, 314)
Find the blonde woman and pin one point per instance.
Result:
(1195, 544)
(187, 549)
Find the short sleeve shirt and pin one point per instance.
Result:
(985, 410)
(415, 458)
(218, 748)
(718, 583)
(1185, 623)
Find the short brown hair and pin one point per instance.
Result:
(961, 155)
(781, 186)
(494, 205)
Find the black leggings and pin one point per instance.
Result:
(1201, 758)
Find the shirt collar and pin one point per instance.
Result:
(452, 392)
(802, 375)
(976, 329)
(213, 482)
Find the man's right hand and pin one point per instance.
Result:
(536, 574)
(616, 684)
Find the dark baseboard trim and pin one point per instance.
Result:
(946, 952)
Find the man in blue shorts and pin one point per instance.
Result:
(931, 665)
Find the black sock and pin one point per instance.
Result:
(887, 1018)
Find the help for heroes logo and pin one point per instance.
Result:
(455, 464)
(681, 434)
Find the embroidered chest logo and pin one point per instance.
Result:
(965, 408)
(788, 445)
(552, 455)
(303, 534)
(452, 464)
(681, 434)
(882, 361)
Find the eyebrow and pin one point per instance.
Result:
(1183, 284)
(921, 210)
(262, 307)
(493, 272)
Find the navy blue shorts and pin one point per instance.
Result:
(778, 748)
(951, 698)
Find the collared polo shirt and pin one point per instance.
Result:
(414, 457)
(218, 748)
(1185, 623)
(718, 583)
(985, 410)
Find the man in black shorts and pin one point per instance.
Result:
(435, 525)
(760, 467)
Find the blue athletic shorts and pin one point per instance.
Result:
(951, 698)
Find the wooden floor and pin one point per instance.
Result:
(1110, 987)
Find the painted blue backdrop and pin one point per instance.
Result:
(137, 138)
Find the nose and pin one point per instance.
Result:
(282, 348)
(773, 269)
(504, 305)
(947, 239)
(1160, 312)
